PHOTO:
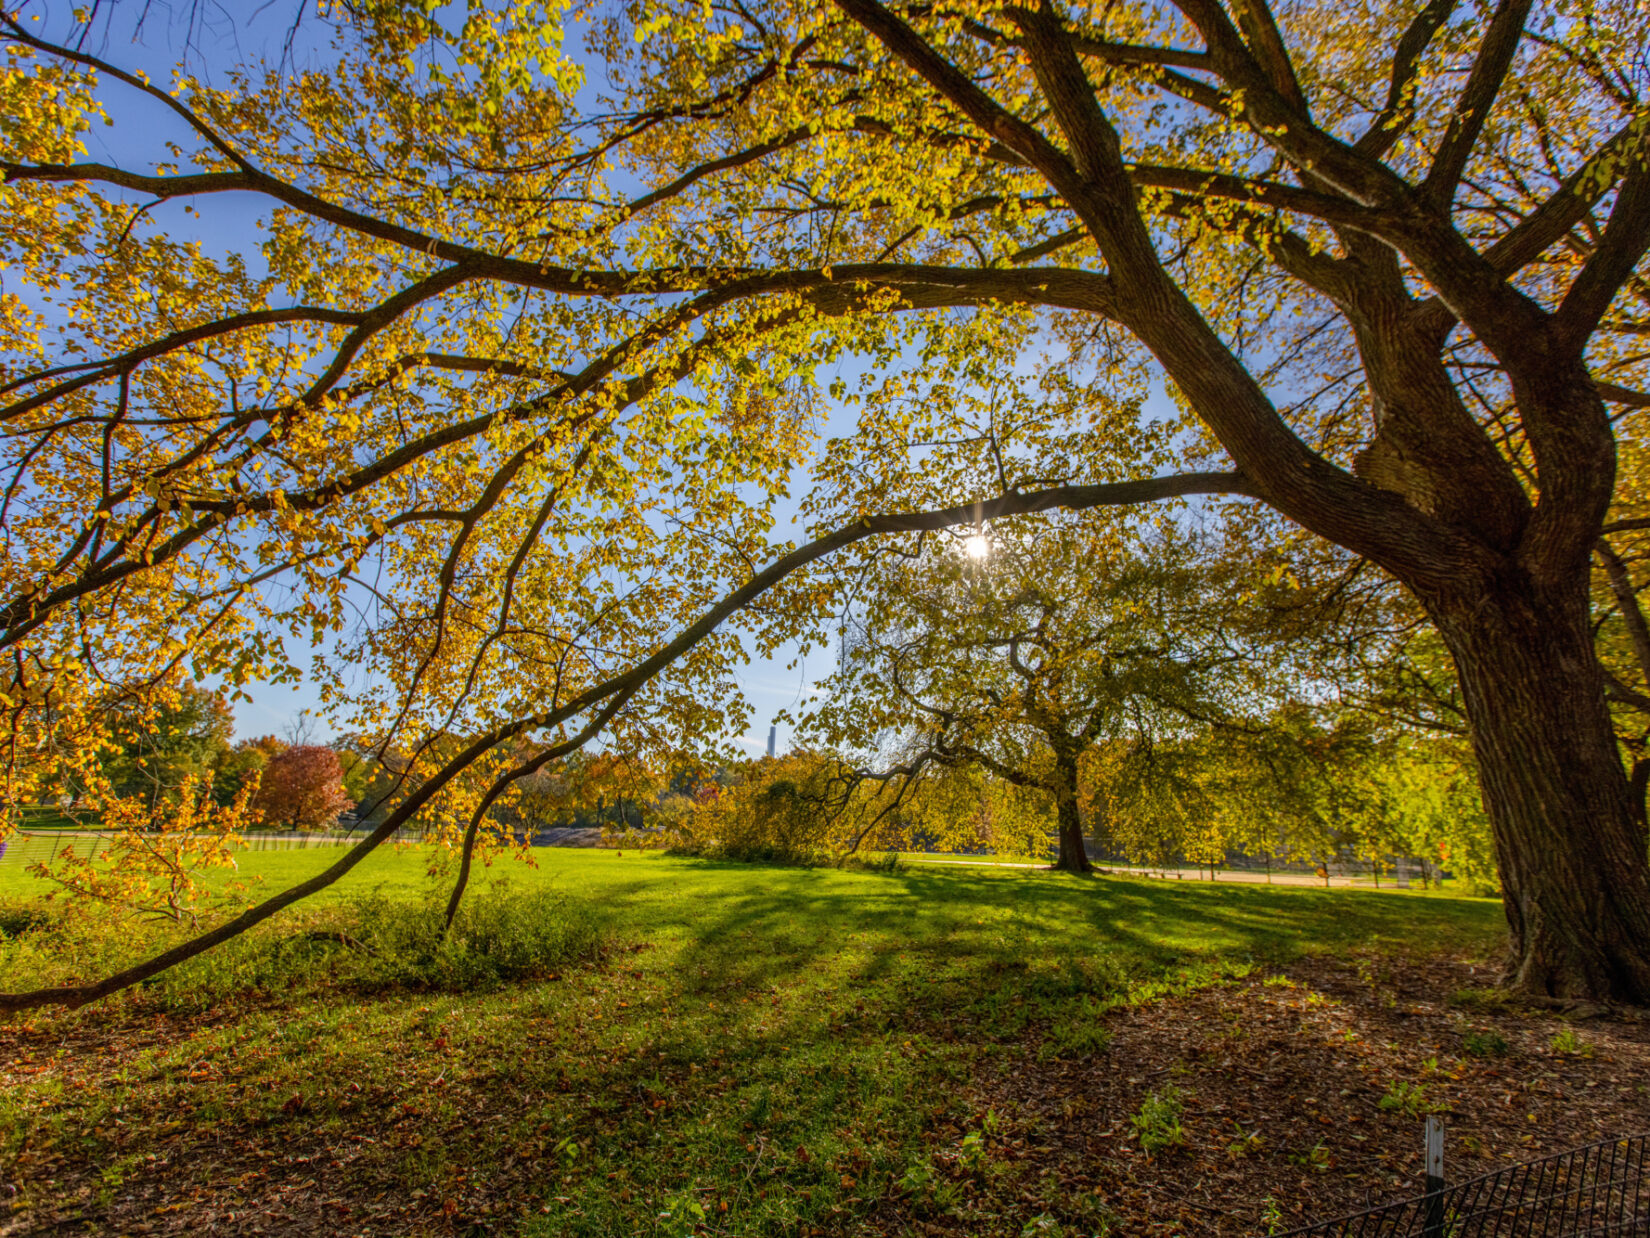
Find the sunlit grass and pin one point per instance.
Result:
(759, 1049)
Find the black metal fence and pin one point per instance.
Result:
(1599, 1189)
(23, 849)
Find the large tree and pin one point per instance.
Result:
(184, 738)
(302, 788)
(1021, 651)
(519, 363)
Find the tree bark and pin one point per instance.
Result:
(1074, 856)
(1575, 871)
(1638, 787)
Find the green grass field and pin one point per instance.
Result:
(757, 1050)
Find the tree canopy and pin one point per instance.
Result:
(1022, 650)
(500, 400)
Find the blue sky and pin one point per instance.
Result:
(226, 34)
(228, 224)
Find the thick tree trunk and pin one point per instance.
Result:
(1638, 786)
(1575, 873)
(1074, 857)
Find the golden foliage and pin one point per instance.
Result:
(158, 855)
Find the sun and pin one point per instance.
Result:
(978, 546)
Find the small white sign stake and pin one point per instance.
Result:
(1435, 1178)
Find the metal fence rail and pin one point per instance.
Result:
(25, 848)
(1599, 1189)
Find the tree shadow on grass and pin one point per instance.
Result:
(792, 914)
(798, 1041)
(837, 1018)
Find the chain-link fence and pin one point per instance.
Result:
(1599, 1189)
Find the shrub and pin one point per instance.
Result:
(1409, 1099)
(1485, 1044)
(498, 936)
(779, 813)
(874, 862)
(1567, 1042)
(20, 917)
(379, 942)
(1157, 1125)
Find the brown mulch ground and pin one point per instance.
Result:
(333, 1179)
(1282, 1085)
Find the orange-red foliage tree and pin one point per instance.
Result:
(303, 787)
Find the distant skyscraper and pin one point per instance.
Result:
(773, 735)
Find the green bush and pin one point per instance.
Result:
(777, 815)
(498, 936)
(19, 917)
(1485, 1044)
(794, 809)
(1409, 1099)
(1565, 1041)
(379, 942)
(1157, 1125)
(874, 862)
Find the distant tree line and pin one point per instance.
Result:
(180, 746)
(1178, 693)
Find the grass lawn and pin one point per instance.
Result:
(755, 1050)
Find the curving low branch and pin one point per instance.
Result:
(608, 696)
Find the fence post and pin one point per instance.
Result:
(1434, 1224)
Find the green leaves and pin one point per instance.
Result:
(517, 370)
